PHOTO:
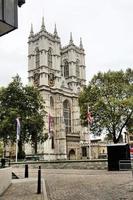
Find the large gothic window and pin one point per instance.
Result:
(67, 116)
(37, 59)
(77, 69)
(50, 57)
(66, 69)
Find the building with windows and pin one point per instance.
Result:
(59, 74)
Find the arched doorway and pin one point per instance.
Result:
(72, 155)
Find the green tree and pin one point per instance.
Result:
(110, 98)
(129, 126)
(26, 103)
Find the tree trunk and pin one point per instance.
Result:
(19, 146)
(20, 150)
(116, 140)
(34, 140)
(35, 147)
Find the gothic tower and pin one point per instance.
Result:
(59, 74)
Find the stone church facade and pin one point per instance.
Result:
(59, 74)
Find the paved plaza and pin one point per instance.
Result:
(22, 189)
(66, 184)
(86, 184)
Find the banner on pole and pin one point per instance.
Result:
(89, 118)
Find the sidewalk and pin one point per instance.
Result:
(23, 189)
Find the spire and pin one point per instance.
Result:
(55, 31)
(71, 39)
(81, 44)
(43, 25)
(31, 30)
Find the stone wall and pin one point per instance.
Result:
(5, 178)
(67, 164)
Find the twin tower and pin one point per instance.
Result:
(59, 74)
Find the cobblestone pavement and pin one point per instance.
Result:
(89, 185)
(22, 190)
(85, 184)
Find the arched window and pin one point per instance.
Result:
(77, 69)
(50, 57)
(66, 69)
(37, 59)
(67, 116)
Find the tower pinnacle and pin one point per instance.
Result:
(71, 39)
(31, 30)
(81, 44)
(55, 31)
(43, 25)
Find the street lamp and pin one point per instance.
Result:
(9, 15)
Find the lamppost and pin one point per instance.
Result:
(9, 15)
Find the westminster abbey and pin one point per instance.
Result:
(59, 73)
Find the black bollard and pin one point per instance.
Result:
(39, 181)
(3, 162)
(26, 171)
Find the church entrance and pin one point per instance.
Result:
(72, 155)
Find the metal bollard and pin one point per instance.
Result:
(39, 181)
(26, 171)
(3, 162)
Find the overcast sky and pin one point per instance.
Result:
(106, 28)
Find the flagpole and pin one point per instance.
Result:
(17, 136)
(89, 137)
(49, 124)
(16, 149)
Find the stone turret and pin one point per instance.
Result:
(81, 44)
(71, 39)
(55, 31)
(43, 25)
(31, 31)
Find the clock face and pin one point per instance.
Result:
(36, 78)
(51, 80)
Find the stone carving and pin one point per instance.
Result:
(36, 78)
(51, 80)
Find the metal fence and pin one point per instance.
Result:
(125, 165)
